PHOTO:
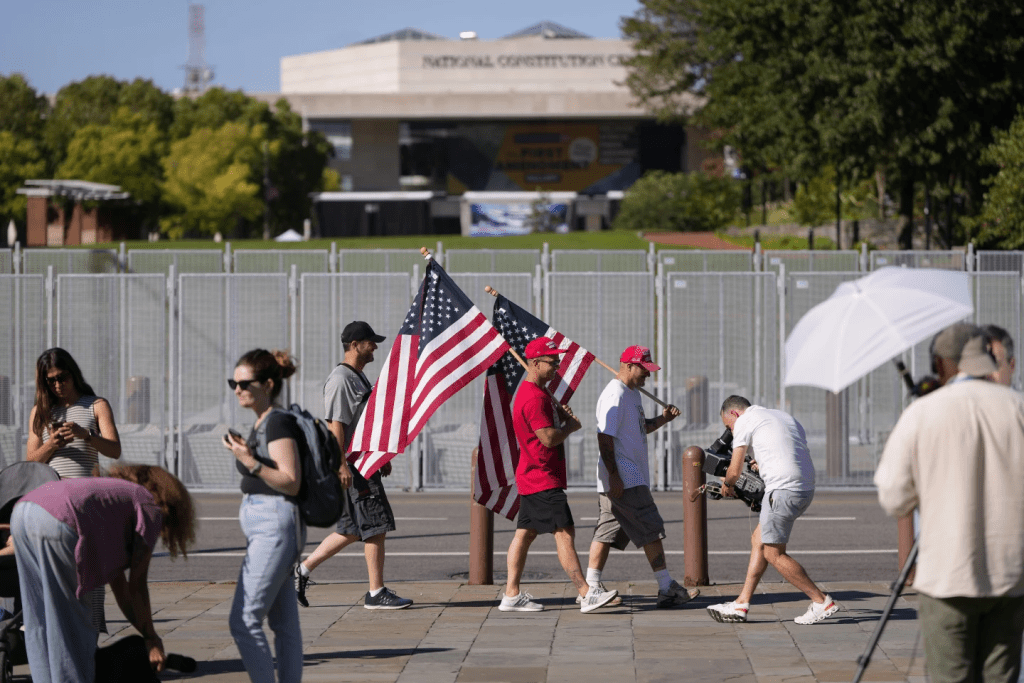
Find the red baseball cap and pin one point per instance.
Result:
(543, 346)
(641, 355)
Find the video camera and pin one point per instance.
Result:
(749, 487)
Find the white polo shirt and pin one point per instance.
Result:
(778, 443)
(620, 415)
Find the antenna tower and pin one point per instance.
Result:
(198, 74)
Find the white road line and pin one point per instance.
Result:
(465, 553)
(826, 519)
(397, 519)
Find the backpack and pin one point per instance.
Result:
(320, 496)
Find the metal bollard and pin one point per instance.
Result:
(904, 542)
(695, 519)
(481, 536)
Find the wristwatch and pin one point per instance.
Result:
(255, 469)
(89, 437)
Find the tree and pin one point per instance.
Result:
(678, 201)
(20, 160)
(211, 180)
(909, 87)
(296, 170)
(214, 108)
(127, 151)
(1001, 221)
(22, 111)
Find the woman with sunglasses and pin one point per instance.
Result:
(275, 534)
(68, 428)
(69, 424)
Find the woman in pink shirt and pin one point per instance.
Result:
(75, 535)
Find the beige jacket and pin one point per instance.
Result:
(958, 455)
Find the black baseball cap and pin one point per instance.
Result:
(357, 330)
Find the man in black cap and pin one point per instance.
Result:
(366, 514)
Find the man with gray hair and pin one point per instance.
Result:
(957, 455)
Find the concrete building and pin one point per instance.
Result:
(541, 110)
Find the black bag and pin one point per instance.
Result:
(127, 661)
(321, 494)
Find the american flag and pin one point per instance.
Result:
(444, 343)
(498, 453)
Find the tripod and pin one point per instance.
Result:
(897, 588)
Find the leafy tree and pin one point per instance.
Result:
(689, 202)
(22, 111)
(913, 88)
(1001, 221)
(815, 201)
(94, 101)
(214, 108)
(211, 181)
(296, 170)
(20, 160)
(127, 151)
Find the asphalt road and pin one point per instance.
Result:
(843, 537)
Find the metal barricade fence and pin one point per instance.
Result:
(66, 261)
(115, 327)
(379, 260)
(605, 313)
(721, 338)
(183, 260)
(814, 261)
(280, 260)
(599, 261)
(1000, 261)
(946, 260)
(6, 262)
(492, 260)
(22, 338)
(454, 430)
(328, 302)
(220, 318)
(700, 261)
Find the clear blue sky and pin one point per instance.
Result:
(55, 42)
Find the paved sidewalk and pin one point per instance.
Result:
(455, 633)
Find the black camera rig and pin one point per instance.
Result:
(749, 487)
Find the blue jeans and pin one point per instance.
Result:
(275, 535)
(59, 636)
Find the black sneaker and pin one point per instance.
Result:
(386, 599)
(301, 583)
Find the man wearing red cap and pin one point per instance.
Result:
(626, 508)
(542, 426)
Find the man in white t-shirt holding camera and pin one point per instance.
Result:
(778, 445)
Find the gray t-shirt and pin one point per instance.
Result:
(344, 393)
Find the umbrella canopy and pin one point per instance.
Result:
(288, 235)
(872, 320)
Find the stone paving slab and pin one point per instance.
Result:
(454, 633)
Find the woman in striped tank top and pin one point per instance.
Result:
(69, 427)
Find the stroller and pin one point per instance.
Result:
(123, 661)
(15, 481)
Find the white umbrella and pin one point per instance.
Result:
(288, 235)
(869, 321)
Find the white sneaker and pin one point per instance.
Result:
(818, 611)
(729, 612)
(520, 603)
(596, 598)
(616, 601)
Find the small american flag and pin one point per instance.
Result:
(444, 343)
(498, 454)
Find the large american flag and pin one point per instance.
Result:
(444, 343)
(498, 453)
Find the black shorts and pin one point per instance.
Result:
(544, 511)
(365, 510)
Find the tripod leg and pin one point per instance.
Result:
(897, 588)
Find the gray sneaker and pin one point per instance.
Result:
(615, 602)
(675, 596)
(386, 599)
(596, 598)
(520, 603)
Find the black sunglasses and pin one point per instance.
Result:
(244, 384)
(57, 379)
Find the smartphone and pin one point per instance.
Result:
(235, 434)
(54, 426)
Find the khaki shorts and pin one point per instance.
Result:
(633, 517)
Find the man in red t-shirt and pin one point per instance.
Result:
(541, 426)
